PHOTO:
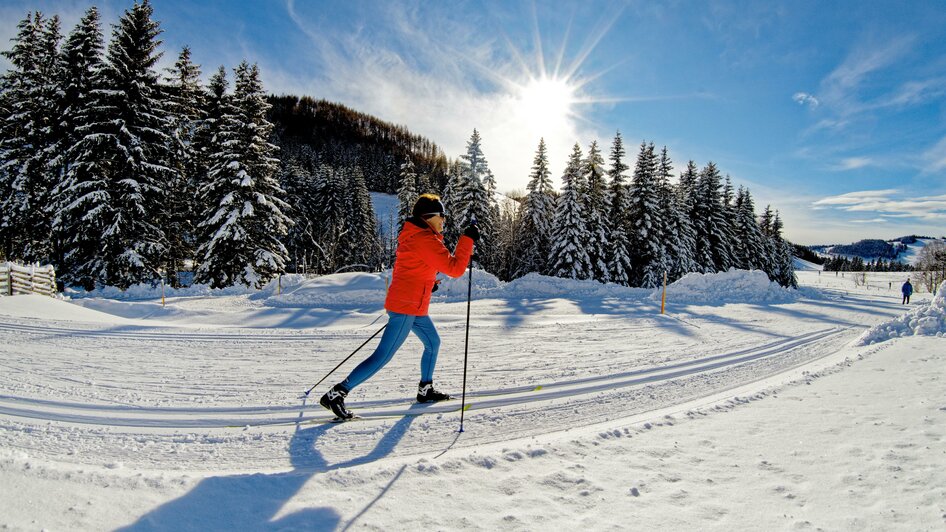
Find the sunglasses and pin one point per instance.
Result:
(431, 215)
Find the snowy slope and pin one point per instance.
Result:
(742, 407)
(805, 266)
(909, 256)
(385, 210)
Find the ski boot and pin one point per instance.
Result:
(334, 400)
(427, 394)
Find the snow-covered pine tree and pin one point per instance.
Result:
(297, 178)
(473, 199)
(619, 256)
(451, 201)
(749, 244)
(712, 242)
(765, 227)
(688, 186)
(245, 219)
(569, 259)
(676, 230)
(508, 231)
(597, 211)
(407, 191)
(29, 137)
(683, 255)
(533, 239)
(81, 71)
(489, 183)
(424, 186)
(186, 105)
(330, 211)
(120, 165)
(784, 258)
(729, 218)
(360, 244)
(216, 104)
(646, 239)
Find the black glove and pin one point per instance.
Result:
(436, 286)
(473, 232)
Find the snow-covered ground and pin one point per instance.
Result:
(745, 406)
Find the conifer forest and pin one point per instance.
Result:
(117, 174)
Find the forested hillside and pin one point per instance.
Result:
(314, 132)
(870, 248)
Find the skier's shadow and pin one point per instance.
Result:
(250, 502)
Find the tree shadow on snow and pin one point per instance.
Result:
(250, 502)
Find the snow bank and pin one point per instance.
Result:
(35, 306)
(350, 289)
(733, 286)
(485, 285)
(148, 291)
(535, 286)
(924, 320)
(359, 289)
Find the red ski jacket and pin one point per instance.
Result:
(420, 255)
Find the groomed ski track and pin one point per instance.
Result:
(218, 398)
(308, 411)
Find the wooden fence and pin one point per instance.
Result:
(16, 279)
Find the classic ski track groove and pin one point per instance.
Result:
(176, 334)
(223, 417)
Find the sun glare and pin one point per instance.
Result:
(546, 102)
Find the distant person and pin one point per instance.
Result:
(421, 254)
(907, 291)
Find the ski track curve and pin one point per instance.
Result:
(111, 415)
(250, 437)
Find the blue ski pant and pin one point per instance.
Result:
(399, 325)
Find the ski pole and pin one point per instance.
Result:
(466, 341)
(346, 360)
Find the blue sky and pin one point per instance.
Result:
(833, 112)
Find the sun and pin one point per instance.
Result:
(545, 103)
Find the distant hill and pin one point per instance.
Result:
(871, 249)
(311, 132)
(904, 249)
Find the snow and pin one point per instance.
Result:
(385, 210)
(912, 253)
(734, 286)
(804, 265)
(908, 256)
(927, 319)
(742, 407)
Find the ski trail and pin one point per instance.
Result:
(225, 417)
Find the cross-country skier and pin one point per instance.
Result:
(421, 254)
(907, 291)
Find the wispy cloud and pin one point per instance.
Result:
(803, 98)
(912, 93)
(853, 163)
(935, 158)
(850, 91)
(854, 198)
(891, 203)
